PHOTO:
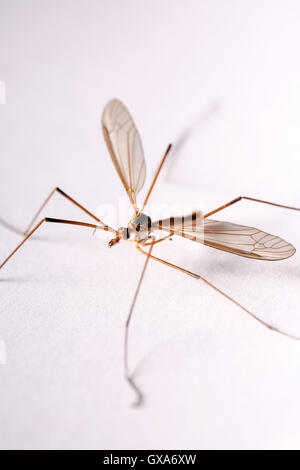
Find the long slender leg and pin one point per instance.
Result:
(60, 191)
(128, 377)
(49, 219)
(240, 198)
(197, 276)
(156, 175)
(159, 240)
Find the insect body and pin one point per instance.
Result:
(126, 151)
(138, 230)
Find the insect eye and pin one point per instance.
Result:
(138, 227)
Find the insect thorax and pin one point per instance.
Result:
(138, 228)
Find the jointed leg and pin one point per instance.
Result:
(159, 240)
(57, 221)
(240, 198)
(128, 377)
(197, 276)
(69, 199)
(156, 175)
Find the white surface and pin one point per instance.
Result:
(212, 377)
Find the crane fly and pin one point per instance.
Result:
(125, 147)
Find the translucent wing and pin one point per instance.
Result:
(125, 147)
(238, 239)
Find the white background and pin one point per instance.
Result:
(212, 377)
